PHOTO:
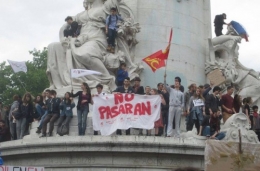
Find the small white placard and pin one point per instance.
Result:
(198, 102)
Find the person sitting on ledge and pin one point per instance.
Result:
(66, 107)
(53, 110)
(210, 127)
(72, 29)
(111, 29)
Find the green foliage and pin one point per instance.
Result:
(34, 81)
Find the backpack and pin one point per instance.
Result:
(63, 130)
(109, 19)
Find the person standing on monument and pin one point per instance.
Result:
(218, 23)
(176, 103)
(126, 88)
(26, 113)
(138, 89)
(83, 107)
(111, 29)
(53, 113)
(212, 102)
(227, 104)
(249, 111)
(187, 96)
(100, 92)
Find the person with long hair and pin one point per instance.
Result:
(82, 107)
(196, 110)
(159, 123)
(26, 113)
(39, 107)
(249, 111)
(237, 103)
(66, 107)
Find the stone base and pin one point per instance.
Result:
(98, 153)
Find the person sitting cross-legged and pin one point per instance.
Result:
(210, 127)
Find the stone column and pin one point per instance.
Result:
(190, 20)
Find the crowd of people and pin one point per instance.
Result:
(202, 109)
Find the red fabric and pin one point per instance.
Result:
(255, 114)
(156, 60)
(227, 101)
(159, 122)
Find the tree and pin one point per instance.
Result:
(34, 81)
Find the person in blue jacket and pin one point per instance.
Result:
(121, 75)
(66, 107)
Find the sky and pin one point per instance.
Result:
(29, 24)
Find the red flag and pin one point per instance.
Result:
(156, 60)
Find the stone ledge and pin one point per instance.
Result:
(102, 144)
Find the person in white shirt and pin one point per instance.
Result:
(176, 105)
(100, 92)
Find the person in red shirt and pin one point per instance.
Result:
(227, 104)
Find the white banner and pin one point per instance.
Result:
(123, 111)
(18, 168)
(18, 66)
(75, 73)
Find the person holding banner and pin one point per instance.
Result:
(196, 110)
(83, 107)
(176, 103)
(126, 88)
(159, 123)
(100, 92)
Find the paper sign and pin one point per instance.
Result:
(198, 102)
(20, 168)
(216, 77)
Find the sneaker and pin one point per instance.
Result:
(38, 131)
(49, 134)
(112, 50)
(108, 48)
(43, 135)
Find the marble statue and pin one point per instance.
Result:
(88, 50)
(224, 56)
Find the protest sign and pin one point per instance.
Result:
(216, 77)
(123, 111)
(22, 168)
(198, 102)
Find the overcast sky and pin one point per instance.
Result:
(29, 24)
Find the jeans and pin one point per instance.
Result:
(42, 119)
(49, 118)
(21, 127)
(174, 112)
(206, 132)
(119, 132)
(82, 119)
(112, 37)
(67, 122)
(13, 130)
(40, 110)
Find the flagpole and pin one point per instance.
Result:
(169, 44)
(71, 80)
(20, 82)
